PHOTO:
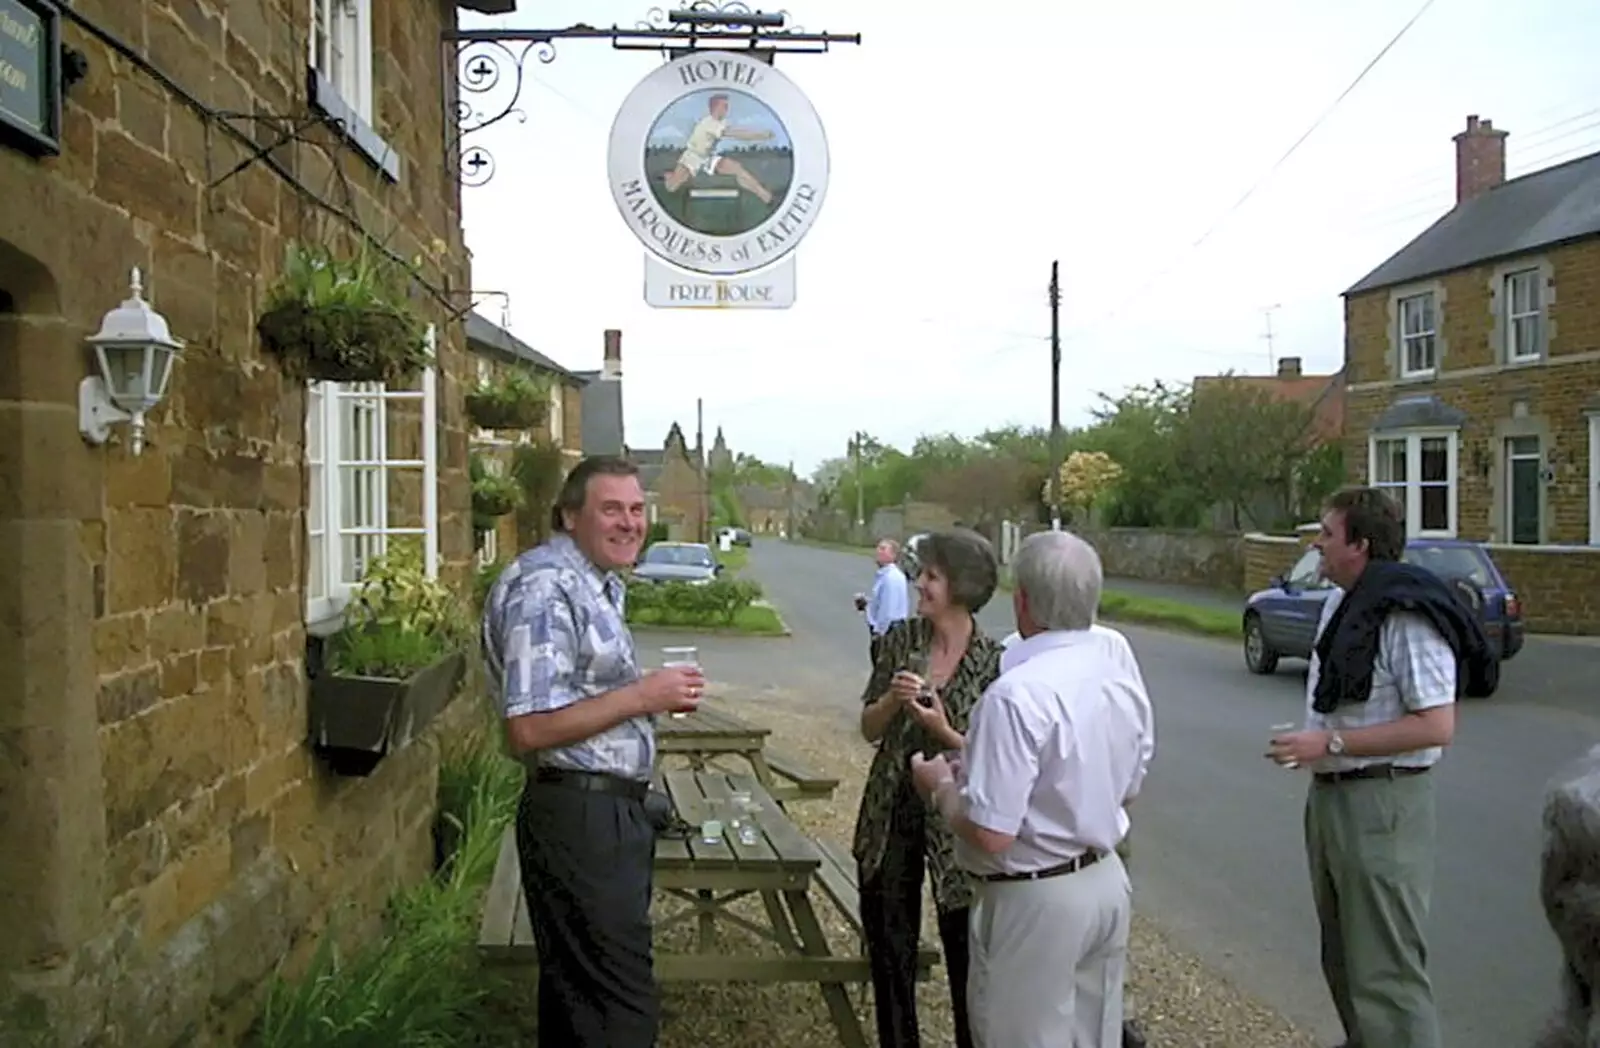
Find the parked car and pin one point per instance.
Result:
(691, 562)
(737, 536)
(1281, 621)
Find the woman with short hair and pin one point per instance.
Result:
(929, 672)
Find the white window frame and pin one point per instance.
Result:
(558, 414)
(1509, 498)
(1529, 315)
(340, 42)
(1594, 480)
(1404, 338)
(1412, 502)
(328, 591)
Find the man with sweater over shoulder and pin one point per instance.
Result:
(1392, 647)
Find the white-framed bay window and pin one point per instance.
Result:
(1419, 334)
(1419, 470)
(372, 464)
(341, 50)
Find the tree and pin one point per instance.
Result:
(1139, 430)
(1240, 446)
(982, 490)
(1086, 478)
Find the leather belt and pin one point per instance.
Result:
(1072, 865)
(1371, 771)
(591, 781)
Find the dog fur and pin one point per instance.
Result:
(1570, 890)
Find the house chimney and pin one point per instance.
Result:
(1289, 367)
(1480, 159)
(612, 367)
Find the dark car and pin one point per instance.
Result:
(690, 562)
(1281, 621)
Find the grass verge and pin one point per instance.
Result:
(756, 620)
(1169, 614)
(734, 560)
(419, 984)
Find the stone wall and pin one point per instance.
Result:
(1269, 555)
(169, 837)
(1194, 558)
(1559, 586)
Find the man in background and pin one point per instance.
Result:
(580, 717)
(889, 600)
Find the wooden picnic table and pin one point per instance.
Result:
(783, 867)
(711, 733)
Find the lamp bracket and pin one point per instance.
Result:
(96, 413)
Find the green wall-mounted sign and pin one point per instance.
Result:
(30, 75)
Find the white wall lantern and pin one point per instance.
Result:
(135, 352)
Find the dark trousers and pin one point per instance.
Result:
(586, 865)
(891, 916)
(874, 642)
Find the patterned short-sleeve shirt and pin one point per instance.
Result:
(890, 774)
(554, 634)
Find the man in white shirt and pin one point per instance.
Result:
(1058, 746)
(890, 599)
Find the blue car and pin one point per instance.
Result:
(1281, 621)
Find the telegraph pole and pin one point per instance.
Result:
(789, 532)
(705, 474)
(1055, 396)
(856, 440)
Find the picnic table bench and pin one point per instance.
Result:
(710, 734)
(780, 868)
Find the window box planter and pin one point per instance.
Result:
(357, 721)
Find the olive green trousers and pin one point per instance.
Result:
(1370, 847)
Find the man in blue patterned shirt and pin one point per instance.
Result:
(580, 716)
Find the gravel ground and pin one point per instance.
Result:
(1178, 1001)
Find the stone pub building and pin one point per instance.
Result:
(169, 837)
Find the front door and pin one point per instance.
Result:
(1523, 466)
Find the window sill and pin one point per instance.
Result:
(326, 99)
(1419, 376)
(1524, 362)
(325, 626)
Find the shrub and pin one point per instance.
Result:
(682, 604)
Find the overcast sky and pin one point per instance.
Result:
(972, 144)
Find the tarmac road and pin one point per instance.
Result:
(1219, 861)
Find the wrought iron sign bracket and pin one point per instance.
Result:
(497, 61)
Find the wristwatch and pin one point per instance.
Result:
(1335, 744)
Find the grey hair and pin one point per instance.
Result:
(1060, 575)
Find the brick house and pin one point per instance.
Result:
(494, 350)
(675, 487)
(1472, 359)
(170, 837)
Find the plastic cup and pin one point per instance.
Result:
(685, 657)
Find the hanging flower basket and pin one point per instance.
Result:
(342, 320)
(517, 401)
(493, 493)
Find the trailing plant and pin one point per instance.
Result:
(418, 985)
(343, 319)
(516, 399)
(399, 621)
(538, 467)
(493, 494)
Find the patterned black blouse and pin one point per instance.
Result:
(891, 766)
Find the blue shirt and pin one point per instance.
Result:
(890, 600)
(554, 635)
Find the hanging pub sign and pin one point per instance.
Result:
(719, 165)
(30, 75)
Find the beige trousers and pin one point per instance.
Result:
(1049, 958)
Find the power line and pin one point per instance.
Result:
(1262, 181)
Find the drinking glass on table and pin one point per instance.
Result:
(680, 658)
